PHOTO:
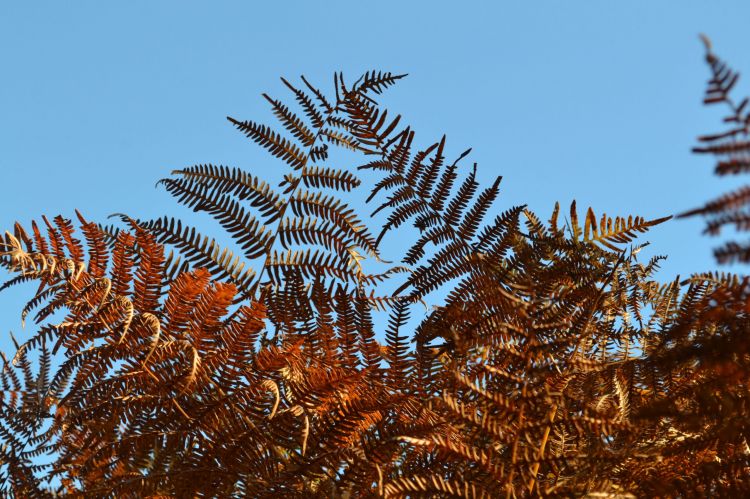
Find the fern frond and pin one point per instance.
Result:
(332, 210)
(246, 231)
(329, 178)
(312, 112)
(201, 251)
(376, 82)
(291, 122)
(309, 263)
(609, 232)
(275, 143)
(229, 181)
(473, 218)
(430, 485)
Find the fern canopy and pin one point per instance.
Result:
(550, 361)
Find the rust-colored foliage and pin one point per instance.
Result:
(553, 364)
(731, 148)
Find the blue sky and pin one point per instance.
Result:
(597, 101)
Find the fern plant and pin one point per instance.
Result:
(554, 363)
(731, 147)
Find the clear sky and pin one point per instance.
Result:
(597, 101)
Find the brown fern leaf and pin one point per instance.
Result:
(732, 150)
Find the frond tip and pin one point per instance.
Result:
(609, 232)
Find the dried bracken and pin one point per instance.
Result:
(551, 363)
(732, 151)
